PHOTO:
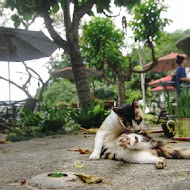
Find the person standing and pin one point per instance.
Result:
(180, 71)
(181, 77)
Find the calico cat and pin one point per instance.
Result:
(118, 139)
(119, 121)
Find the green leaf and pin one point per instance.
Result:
(55, 8)
(78, 166)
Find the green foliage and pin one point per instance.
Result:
(183, 105)
(60, 91)
(47, 121)
(24, 13)
(63, 63)
(127, 3)
(106, 4)
(168, 42)
(57, 174)
(169, 104)
(101, 45)
(105, 92)
(92, 118)
(147, 23)
(132, 94)
(150, 119)
(26, 10)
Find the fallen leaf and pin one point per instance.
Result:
(85, 151)
(89, 178)
(80, 150)
(23, 182)
(3, 141)
(3, 150)
(89, 130)
(78, 166)
(73, 149)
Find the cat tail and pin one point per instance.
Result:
(170, 152)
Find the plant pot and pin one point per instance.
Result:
(74, 105)
(108, 104)
(169, 128)
(182, 129)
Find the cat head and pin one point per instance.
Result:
(130, 112)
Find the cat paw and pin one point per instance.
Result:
(94, 156)
(161, 163)
(124, 141)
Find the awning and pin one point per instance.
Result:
(161, 89)
(158, 81)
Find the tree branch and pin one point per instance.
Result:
(39, 77)
(154, 60)
(44, 86)
(111, 16)
(57, 38)
(67, 16)
(29, 77)
(85, 8)
(11, 128)
(25, 91)
(109, 81)
(145, 70)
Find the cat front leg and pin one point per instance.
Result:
(134, 141)
(99, 140)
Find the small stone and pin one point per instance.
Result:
(43, 181)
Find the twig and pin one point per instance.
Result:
(9, 128)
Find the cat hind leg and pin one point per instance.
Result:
(142, 154)
(125, 141)
(161, 163)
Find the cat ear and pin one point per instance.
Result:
(117, 110)
(135, 104)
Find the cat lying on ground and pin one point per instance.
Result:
(119, 138)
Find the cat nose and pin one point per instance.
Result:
(139, 121)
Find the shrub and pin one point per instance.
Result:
(92, 118)
(47, 121)
(183, 105)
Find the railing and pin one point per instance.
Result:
(9, 111)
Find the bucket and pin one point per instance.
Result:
(182, 129)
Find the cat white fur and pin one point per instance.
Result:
(124, 146)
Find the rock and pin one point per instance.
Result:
(43, 181)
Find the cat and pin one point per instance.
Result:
(120, 120)
(119, 139)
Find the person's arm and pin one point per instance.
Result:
(187, 80)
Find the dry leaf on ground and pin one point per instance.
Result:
(89, 130)
(89, 178)
(3, 150)
(80, 150)
(3, 141)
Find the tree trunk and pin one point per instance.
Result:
(81, 80)
(121, 91)
(72, 46)
(80, 77)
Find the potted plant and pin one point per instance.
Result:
(168, 125)
(182, 128)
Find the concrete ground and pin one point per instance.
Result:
(20, 161)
